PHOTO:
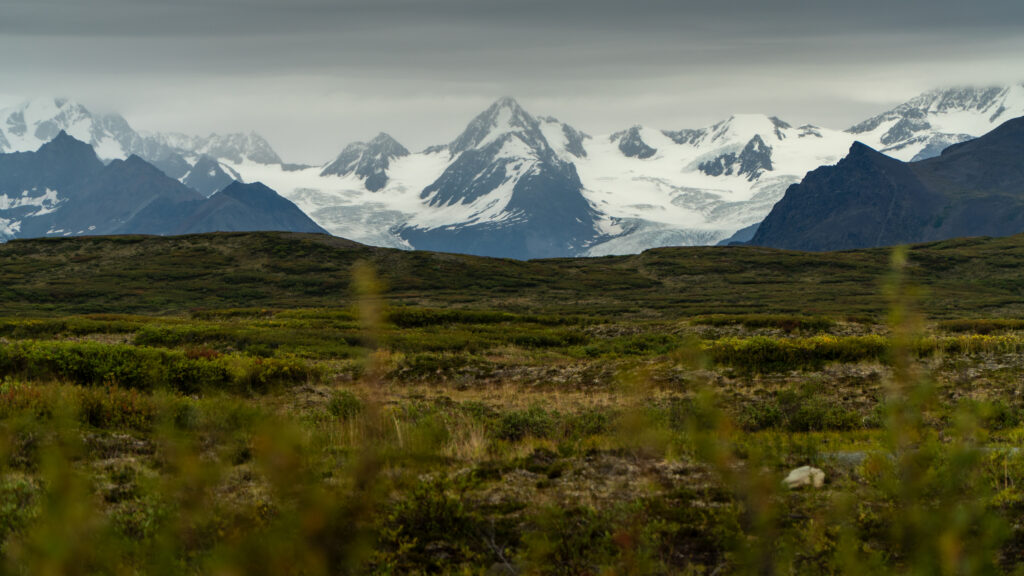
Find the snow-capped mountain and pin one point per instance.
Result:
(234, 148)
(499, 188)
(691, 187)
(505, 192)
(922, 127)
(512, 180)
(514, 184)
(868, 199)
(64, 189)
(28, 126)
(637, 188)
(368, 160)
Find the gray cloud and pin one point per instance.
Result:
(314, 74)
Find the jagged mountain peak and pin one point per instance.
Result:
(871, 199)
(503, 118)
(254, 189)
(743, 127)
(384, 139)
(63, 139)
(28, 125)
(138, 161)
(864, 155)
(135, 166)
(780, 123)
(631, 143)
(980, 98)
(382, 144)
(207, 176)
(751, 162)
(565, 139)
(66, 146)
(368, 160)
(507, 190)
(237, 147)
(507, 103)
(925, 125)
(740, 129)
(859, 148)
(45, 108)
(252, 206)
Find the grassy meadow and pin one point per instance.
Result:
(296, 404)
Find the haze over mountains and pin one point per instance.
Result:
(63, 189)
(524, 186)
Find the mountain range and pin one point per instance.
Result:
(868, 199)
(523, 186)
(64, 189)
(28, 126)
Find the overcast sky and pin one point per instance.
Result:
(313, 75)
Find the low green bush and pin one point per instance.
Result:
(967, 344)
(431, 365)
(764, 354)
(588, 423)
(429, 532)
(518, 424)
(19, 505)
(144, 368)
(116, 408)
(344, 405)
(804, 410)
(572, 541)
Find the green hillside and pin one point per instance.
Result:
(273, 403)
(161, 275)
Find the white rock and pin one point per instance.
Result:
(805, 476)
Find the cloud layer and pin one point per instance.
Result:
(313, 75)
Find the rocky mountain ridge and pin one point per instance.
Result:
(515, 184)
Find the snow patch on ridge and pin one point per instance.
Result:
(47, 201)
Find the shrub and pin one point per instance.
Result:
(588, 423)
(140, 519)
(431, 365)
(143, 368)
(18, 398)
(86, 363)
(573, 541)
(686, 413)
(804, 410)
(344, 405)
(994, 414)
(428, 531)
(19, 505)
(967, 344)
(116, 408)
(264, 374)
(192, 376)
(518, 424)
(763, 354)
